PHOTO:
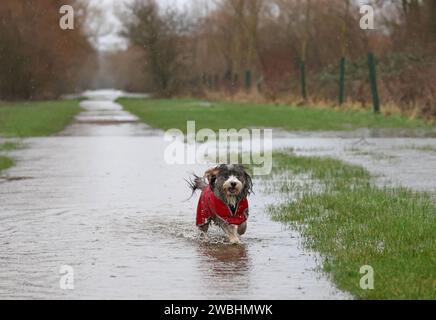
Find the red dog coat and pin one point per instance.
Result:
(209, 206)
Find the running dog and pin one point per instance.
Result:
(223, 199)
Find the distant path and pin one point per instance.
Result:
(99, 198)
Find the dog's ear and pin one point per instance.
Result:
(211, 174)
(248, 187)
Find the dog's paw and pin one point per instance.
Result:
(234, 240)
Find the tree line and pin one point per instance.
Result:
(39, 60)
(214, 44)
(227, 48)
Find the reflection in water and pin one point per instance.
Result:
(224, 268)
(225, 258)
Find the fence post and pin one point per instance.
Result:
(248, 80)
(373, 81)
(303, 79)
(342, 81)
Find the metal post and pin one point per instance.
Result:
(303, 80)
(342, 81)
(373, 81)
(248, 80)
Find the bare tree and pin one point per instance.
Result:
(160, 34)
(38, 64)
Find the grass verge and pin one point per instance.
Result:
(30, 119)
(352, 223)
(9, 146)
(173, 113)
(5, 163)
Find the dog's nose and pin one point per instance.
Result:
(233, 184)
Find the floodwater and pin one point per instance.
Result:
(401, 158)
(100, 199)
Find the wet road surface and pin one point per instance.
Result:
(100, 198)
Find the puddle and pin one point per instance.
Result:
(390, 160)
(103, 201)
(106, 118)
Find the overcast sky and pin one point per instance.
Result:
(110, 8)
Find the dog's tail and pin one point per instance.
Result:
(196, 183)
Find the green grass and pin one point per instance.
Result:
(173, 113)
(352, 223)
(30, 119)
(9, 146)
(5, 163)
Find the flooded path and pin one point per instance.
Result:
(99, 198)
(399, 158)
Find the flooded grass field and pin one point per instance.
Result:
(99, 198)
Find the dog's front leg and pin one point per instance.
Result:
(242, 228)
(232, 233)
(230, 230)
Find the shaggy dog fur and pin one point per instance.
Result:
(231, 184)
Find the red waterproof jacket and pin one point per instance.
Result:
(209, 206)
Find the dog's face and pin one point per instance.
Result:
(230, 183)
